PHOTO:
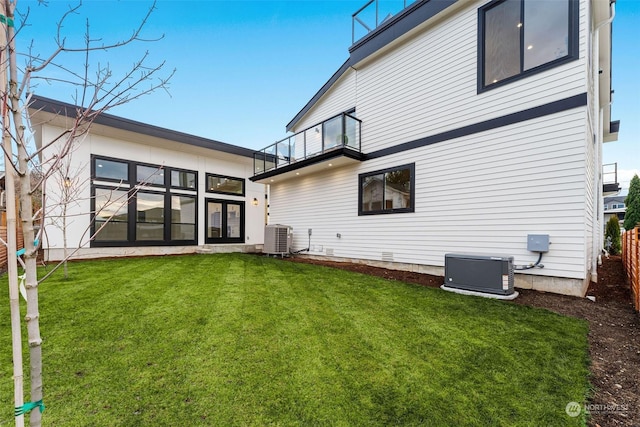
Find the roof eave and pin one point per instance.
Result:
(54, 107)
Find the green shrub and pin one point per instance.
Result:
(612, 236)
(632, 203)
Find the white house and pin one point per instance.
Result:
(614, 206)
(493, 112)
(147, 190)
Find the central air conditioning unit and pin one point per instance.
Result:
(478, 273)
(277, 239)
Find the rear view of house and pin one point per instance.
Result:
(136, 189)
(456, 127)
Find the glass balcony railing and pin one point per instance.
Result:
(373, 14)
(341, 131)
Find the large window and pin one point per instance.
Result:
(521, 37)
(138, 204)
(387, 191)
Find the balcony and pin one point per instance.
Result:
(610, 183)
(331, 143)
(374, 14)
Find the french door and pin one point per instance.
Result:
(224, 221)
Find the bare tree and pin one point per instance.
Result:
(96, 93)
(68, 185)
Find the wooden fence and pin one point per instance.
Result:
(631, 262)
(3, 248)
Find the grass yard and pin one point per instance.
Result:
(236, 339)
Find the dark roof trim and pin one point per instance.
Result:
(332, 154)
(403, 22)
(509, 119)
(69, 110)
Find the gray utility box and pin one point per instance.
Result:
(479, 273)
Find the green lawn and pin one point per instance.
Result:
(236, 339)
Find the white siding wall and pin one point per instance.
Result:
(482, 193)
(428, 85)
(184, 157)
(340, 98)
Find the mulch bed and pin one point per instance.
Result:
(614, 333)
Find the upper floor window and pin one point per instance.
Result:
(387, 191)
(521, 37)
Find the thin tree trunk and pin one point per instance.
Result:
(12, 262)
(64, 233)
(26, 209)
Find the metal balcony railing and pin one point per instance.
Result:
(373, 14)
(610, 173)
(610, 183)
(341, 131)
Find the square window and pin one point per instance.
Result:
(388, 191)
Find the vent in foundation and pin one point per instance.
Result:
(387, 256)
(329, 251)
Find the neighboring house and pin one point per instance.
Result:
(151, 190)
(615, 206)
(493, 113)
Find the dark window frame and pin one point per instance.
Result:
(133, 188)
(171, 170)
(573, 45)
(137, 221)
(383, 211)
(223, 225)
(167, 180)
(94, 158)
(170, 222)
(108, 243)
(231, 193)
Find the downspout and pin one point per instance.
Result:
(597, 117)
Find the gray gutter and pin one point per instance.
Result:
(53, 106)
(405, 21)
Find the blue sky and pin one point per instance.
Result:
(245, 68)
